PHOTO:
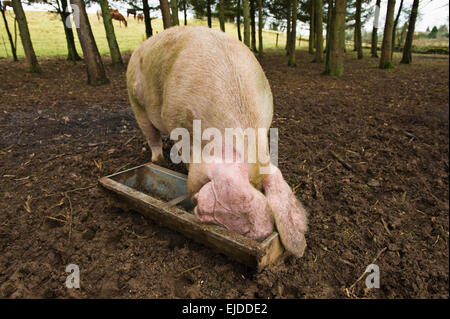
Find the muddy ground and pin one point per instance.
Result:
(367, 154)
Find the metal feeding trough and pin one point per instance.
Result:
(161, 194)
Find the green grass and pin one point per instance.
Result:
(48, 38)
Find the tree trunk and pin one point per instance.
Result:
(335, 65)
(260, 29)
(374, 45)
(33, 64)
(407, 56)
(386, 48)
(312, 32)
(394, 30)
(221, 15)
(15, 32)
(165, 12)
(208, 13)
(401, 39)
(318, 19)
(291, 61)
(72, 54)
(95, 70)
(330, 29)
(238, 19)
(174, 16)
(329, 16)
(246, 14)
(147, 19)
(288, 26)
(358, 29)
(253, 24)
(116, 58)
(185, 12)
(11, 42)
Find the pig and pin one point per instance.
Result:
(196, 73)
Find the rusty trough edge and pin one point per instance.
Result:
(247, 251)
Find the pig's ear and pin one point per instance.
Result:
(289, 215)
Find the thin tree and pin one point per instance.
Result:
(165, 12)
(116, 58)
(358, 36)
(394, 29)
(61, 7)
(374, 44)
(222, 15)
(318, 19)
(253, 24)
(288, 26)
(11, 42)
(260, 28)
(407, 56)
(95, 70)
(335, 61)
(329, 17)
(208, 13)
(185, 11)
(147, 19)
(246, 14)
(238, 19)
(402, 36)
(174, 17)
(293, 37)
(32, 62)
(386, 60)
(312, 32)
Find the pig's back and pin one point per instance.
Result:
(200, 73)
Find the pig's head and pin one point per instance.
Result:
(227, 198)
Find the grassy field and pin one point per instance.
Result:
(48, 38)
(424, 45)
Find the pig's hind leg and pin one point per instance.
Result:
(150, 132)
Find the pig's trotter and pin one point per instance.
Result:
(157, 153)
(154, 141)
(150, 132)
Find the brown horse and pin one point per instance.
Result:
(115, 15)
(6, 4)
(132, 12)
(140, 17)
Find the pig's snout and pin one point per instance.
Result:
(238, 207)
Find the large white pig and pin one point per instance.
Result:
(196, 73)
